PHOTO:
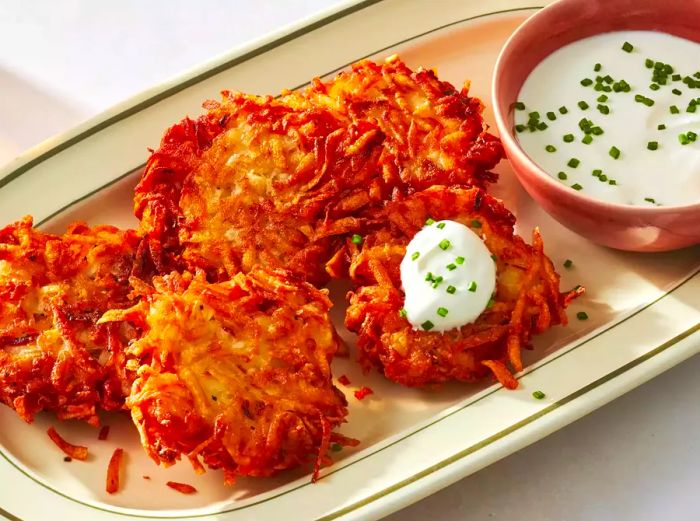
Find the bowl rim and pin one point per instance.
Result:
(512, 145)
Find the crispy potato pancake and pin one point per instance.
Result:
(434, 134)
(53, 290)
(527, 299)
(277, 182)
(234, 375)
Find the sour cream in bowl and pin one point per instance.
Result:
(598, 107)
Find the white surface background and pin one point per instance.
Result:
(62, 62)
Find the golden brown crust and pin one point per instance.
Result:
(53, 290)
(527, 299)
(235, 375)
(276, 182)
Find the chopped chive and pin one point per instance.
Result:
(440, 226)
(563, 110)
(603, 109)
(550, 148)
(674, 109)
(451, 289)
(520, 128)
(614, 152)
(582, 315)
(568, 263)
(627, 47)
(568, 138)
(415, 255)
(649, 63)
(494, 258)
(597, 67)
(692, 136)
(596, 131)
(356, 239)
(445, 244)
(607, 79)
(602, 178)
(542, 125)
(654, 86)
(576, 186)
(586, 82)
(403, 313)
(583, 105)
(562, 176)
(534, 115)
(519, 105)
(451, 266)
(573, 162)
(597, 172)
(683, 139)
(492, 301)
(459, 260)
(650, 200)
(691, 108)
(442, 312)
(602, 98)
(661, 127)
(612, 182)
(551, 116)
(427, 325)
(587, 139)
(538, 395)
(653, 145)
(429, 222)
(476, 223)
(676, 77)
(429, 277)
(677, 92)
(472, 286)
(336, 447)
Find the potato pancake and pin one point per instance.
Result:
(234, 375)
(53, 290)
(527, 300)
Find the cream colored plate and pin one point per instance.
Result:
(644, 309)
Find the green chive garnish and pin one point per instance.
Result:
(661, 127)
(602, 98)
(650, 200)
(582, 315)
(442, 312)
(519, 105)
(451, 289)
(627, 47)
(451, 266)
(459, 260)
(429, 222)
(550, 148)
(568, 138)
(653, 145)
(427, 325)
(676, 77)
(476, 223)
(654, 86)
(692, 136)
(440, 226)
(568, 263)
(415, 255)
(586, 82)
(576, 186)
(587, 139)
(551, 116)
(612, 182)
(445, 244)
(562, 176)
(602, 178)
(614, 152)
(403, 313)
(649, 63)
(538, 395)
(520, 128)
(492, 301)
(677, 92)
(542, 126)
(674, 109)
(336, 447)
(683, 139)
(429, 277)
(603, 109)
(472, 286)
(356, 239)
(597, 67)
(597, 172)
(582, 105)
(573, 162)
(563, 110)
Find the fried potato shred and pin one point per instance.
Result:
(72, 451)
(53, 290)
(113, 471)
(235, 375)
(527, 299)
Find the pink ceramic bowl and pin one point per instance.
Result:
(620, 226)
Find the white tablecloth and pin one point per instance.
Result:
(61, 62)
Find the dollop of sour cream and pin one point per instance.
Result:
(638, 95)
(448, 276)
